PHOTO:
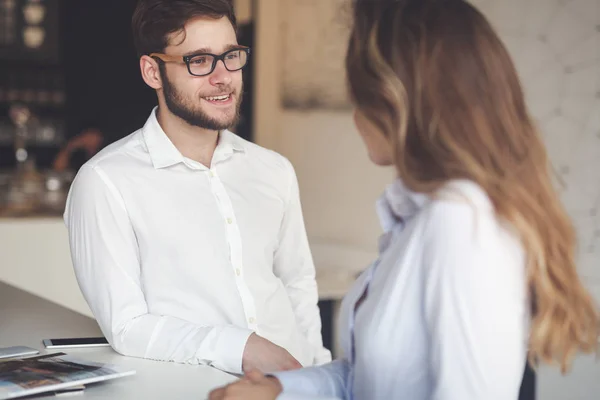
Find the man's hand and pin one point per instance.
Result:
(265, 356)
(253, 386)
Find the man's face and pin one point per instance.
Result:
(192, 98)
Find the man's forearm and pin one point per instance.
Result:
(171, 339)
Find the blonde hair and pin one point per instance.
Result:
(435, 79)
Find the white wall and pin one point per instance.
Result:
(338, 183)
(556, 47)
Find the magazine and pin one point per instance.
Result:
(52, 372)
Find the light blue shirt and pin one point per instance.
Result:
(446, 316)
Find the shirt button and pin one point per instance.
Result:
(229, 220)
(238, 272)
(251, 320)
(212, 173)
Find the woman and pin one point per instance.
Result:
(476, 269)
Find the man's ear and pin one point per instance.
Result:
(150, 72)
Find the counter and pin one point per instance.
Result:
(27, 320)
(36, 258)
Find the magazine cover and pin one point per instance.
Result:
(51, 372)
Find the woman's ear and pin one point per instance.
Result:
(379, 148)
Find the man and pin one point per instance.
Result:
(188, 242)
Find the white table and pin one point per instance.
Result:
(27, 320)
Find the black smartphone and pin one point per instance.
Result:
(75, 342)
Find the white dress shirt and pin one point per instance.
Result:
(446, 315)
(180, 262)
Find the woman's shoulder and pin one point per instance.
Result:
(462, 215)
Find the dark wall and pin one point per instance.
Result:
(97, 69)
(104, 86)
(103, 83)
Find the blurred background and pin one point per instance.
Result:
(70, 85)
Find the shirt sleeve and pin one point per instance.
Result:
(105, 257)
(293, 264)
(328, 381)
(475, 304)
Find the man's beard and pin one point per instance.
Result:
(195, 116)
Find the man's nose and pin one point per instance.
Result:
(220, 76)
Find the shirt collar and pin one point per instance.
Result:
(398, 204)
(229, 143)
(163, 152)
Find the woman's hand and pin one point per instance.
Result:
(253, 386)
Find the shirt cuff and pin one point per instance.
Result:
(323, 382)
(297, 386)
(229, 349)
(296, 396)
(296, 382)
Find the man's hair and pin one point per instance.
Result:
(154, 20)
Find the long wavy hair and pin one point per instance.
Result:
(434, 78)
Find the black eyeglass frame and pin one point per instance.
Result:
(187, 59)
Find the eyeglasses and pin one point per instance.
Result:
(202, 64)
